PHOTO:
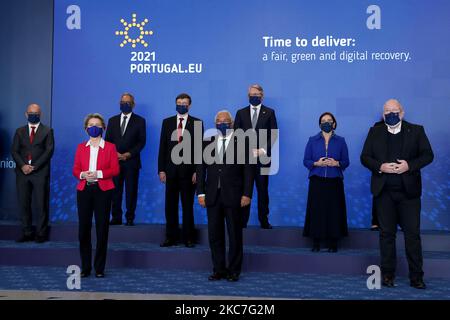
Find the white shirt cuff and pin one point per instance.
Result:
(99, 174)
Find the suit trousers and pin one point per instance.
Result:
(395, 208)
(92, 201)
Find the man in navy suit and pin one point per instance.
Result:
(127, 131)
(260, 118)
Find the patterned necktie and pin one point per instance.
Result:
(255, 117)
(122, 126)
(32, 134)
(180, 130)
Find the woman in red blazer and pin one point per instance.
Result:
(95, 165)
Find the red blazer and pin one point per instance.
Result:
(107, 161)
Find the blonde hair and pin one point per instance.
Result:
(94, 116)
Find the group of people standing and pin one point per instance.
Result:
(394, 151)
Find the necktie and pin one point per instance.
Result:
(122, 126)
(180, 130)
(255, 117)
(32, 134)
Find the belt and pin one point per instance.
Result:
(91, 183)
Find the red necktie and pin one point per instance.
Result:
(180, 130)
(32, 134)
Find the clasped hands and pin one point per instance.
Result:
(399, 167)
(123, 156)
(89, 175)
(245, 201)
(326, 162)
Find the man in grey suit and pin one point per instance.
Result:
(32, 150)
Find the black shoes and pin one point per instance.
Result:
(130, 223)
(115, 222)
(233, 277)
(216, 276)
(417, 283)
(41, 239)
(190, 244)
(99, 274)
(168, 243)
(388, 281)
(26, 238)
(374, 228)
(315, 248)
(332, 249)
(85, 274)
(266, 225)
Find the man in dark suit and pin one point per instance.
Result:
(224, 186)
(180, 132)
(262, 119)
(395, 153)
(32, 151)
(128, 132)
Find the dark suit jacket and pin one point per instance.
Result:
(416, 151)
(133, 141)
(165, 163)
(236, 180)
(41, 150)
(266, 120)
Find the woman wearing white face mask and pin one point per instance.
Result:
(326, 157)
(96, 163)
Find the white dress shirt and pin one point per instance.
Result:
(33, 125)
(127, 121)
(219, 147)
(395, 129)
(252, 111)
(93, 156)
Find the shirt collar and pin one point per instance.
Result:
(33, 125)
(101, 144)
(258, 107)
(127, 115)
(395, 129)
(184, 116)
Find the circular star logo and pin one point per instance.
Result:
(133, 32)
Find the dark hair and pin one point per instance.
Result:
(328, 114)
(128, 95)
(184, 96)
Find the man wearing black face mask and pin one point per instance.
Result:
(128, 132)
(179, 178)
(32, 150)
(395, 153)
(259, 117)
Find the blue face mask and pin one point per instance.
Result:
(34, 118)
(391, 119)
(94, 131)
(326, 127)
(223, 127)
(182, 109)
(125, 107)
(254, 100)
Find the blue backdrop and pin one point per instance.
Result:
(223, 40)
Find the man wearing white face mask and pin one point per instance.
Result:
(395, 153)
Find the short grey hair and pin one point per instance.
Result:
(223, 111)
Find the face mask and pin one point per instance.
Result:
(125, 107)
(94, 131)
(182, 109)
(223, 127)
(34, 118)
(391, 119)
(326, 127)
(254, 100)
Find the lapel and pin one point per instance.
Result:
(248, 116)
(262, 114)
(384, 140)
(189, 126)
(406, 131)
(39, 133)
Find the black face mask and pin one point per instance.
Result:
(326, 127)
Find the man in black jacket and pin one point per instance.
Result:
(224, 186)
(176, 168)
(260, 118)
(395, 153)
(32, 151)
(128, 132)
